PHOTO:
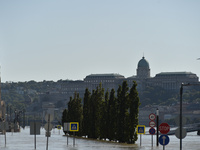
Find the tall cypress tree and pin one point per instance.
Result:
(122, 94)
(64, 118)
(99, 97)
(112, 116)
(75, 111)
(92, 116)
(104, 117)
(134, 111)
(70, 110)
(79, 112)
(86, 112)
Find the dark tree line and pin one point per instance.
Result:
(106, 114)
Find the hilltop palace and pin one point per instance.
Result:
(64, 89)
(166, 80)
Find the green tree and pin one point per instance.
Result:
(134, 103)
(99, 97)
(75, 111)
(112, 116)
(92, 115)
(65, 118)
(104, 117)
(95, 107)
(122, 98)
(86, 112)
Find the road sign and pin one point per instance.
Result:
(140, 129)
(46, 126)
(177, 133)
(66, 126)
(152, 116)
(74, 126)
(164, 128)
(59, 127)
(50, 118)
(177, 120)
(152, 131)
(48, 134)
(4, 126)
(152, 123)
(35, 128)
(164, 140)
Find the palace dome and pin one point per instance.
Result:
(143, 63)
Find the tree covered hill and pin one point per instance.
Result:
(23, 94)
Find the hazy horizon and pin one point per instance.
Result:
(53, 40)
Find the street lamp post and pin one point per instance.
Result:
(181, 126)
(157, 125)
(181, 114)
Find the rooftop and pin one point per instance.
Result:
(143, 63)
(109, 75)
(176, 74)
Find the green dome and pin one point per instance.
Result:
(143, 63)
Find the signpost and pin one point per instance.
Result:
(66, 128)
(181, 111)
(59, 127)
(152, 124)
(164, 140)
(140, 130)
(35, 130)
(164, 128)
(4, 127)
(48, 127)
(152, 131)
(74, 127)
(152, 116)
(177, 133)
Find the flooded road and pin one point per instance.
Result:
(24, 141)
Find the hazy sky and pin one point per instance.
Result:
(70, 39)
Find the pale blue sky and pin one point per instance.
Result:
(69, 39)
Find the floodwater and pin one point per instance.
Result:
(24, 141)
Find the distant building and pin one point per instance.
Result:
(173, 80)
(143, 70)
(108, 81)
(166, 80)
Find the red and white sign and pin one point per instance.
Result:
(152, 131)
(152, 116)
(164, 128)
(152, 123)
